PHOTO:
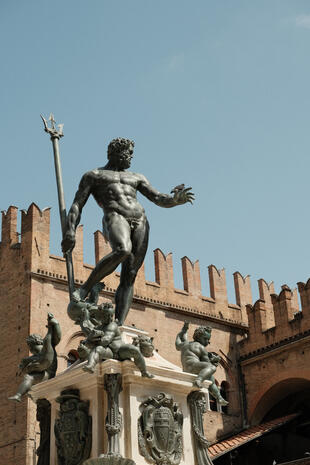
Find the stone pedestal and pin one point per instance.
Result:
(169, 380)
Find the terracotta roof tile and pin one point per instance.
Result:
(216, 448)
(247, 435)
(225, 443)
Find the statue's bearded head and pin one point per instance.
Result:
(35, 343)
(120, 152)
(202, 335)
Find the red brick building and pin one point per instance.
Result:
(265, 348)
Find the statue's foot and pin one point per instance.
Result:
(197, 383)
(17, 397)
(147, 374)
(101, 285)
(222, 401)
(79, 295)
(89, 368)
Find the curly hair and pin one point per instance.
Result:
(35, 339)
(119, 144)
(102, 310)
(201, 331)
(145, 345)
(106, 306)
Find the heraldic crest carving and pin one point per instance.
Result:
(160, 430)
(73, 429)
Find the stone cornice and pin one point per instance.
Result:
(275, 348)
(77, 377)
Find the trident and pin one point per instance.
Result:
(56, 134)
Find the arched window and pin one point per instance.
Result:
(213, 404)
(73, 356)
(224, 389)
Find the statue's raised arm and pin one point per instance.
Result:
(181, 338)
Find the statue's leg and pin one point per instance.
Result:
(95, 292)
(83, 350)
(128, 351)
(216, 393)
(96, 355)
(130, 268)
(27, 383)
(206, 371)
(119, 237)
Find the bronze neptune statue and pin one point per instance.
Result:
(124, 223)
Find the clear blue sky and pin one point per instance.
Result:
(215, 94)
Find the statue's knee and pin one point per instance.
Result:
(132, 276)
(123, 251)
(98, 350)
(129, 278)
(133, 352)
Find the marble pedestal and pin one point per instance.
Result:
(135, 390)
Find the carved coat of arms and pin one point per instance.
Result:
(72, 429)
(160, 430)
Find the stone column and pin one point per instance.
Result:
(198, 406)
(44, 419)
(113, 421)
(113, 424)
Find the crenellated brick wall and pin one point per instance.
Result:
(34, 282)
(34, 237)
(276, 318)
(274, 355)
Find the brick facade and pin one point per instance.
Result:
(34, 282)
(276, 353)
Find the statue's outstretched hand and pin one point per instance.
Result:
(68, 242)
(51, 320)
(185, 327)
(214, 358)
(183, 195)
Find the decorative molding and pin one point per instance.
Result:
(198, 406)
(275, 347)
(113, 421)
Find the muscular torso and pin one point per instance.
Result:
(112, 332)
(115, 192)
